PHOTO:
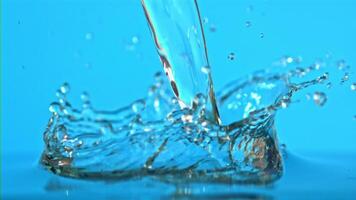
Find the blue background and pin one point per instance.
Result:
(44, 44)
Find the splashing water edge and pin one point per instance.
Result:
(182, 131)
(155, 137)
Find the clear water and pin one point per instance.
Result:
(160, 135)
(155, 137)
(127, 152)
(178, 33)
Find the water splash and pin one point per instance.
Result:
(155, 137)
(178, 137)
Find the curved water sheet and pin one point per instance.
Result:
(155, 137)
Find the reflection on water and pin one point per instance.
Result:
(320, 173)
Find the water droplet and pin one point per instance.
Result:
(88, 36)
(345, 78)
(324, 77)
(298, 59)
(341, 64)
(328, 55)
(308, 96)
(262, 35)
(54, 108)
(283, 146)
(329, 85)
(317, 65)
(135, 40)
(248, 24)
(88, 65)
(84, 97)
(65, 88)
(320, 98)
(205, 20)
(231, 56)
(289, 60)
(285, 103)
(249, 8)
(353, 87)
(138, 106)
(212, 28)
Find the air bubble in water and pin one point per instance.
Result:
(231, 56)
(262, 35)
(353, 87)
(320, 98)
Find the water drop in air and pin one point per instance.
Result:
(320, 98)
(65, 88)
(329, 85)
(88, 36)
(248, 24)
(341, 64)
(84, 97)
(345, 78)
(353, 87)
(135, 40)
(54, 108)
(212, 28)
(231, 56)
(205, 20)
